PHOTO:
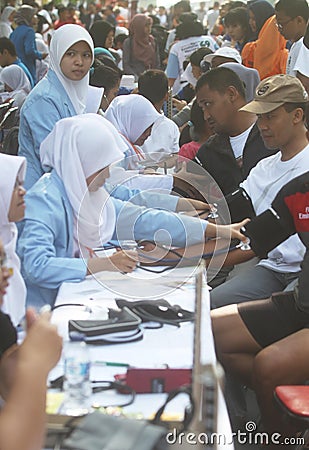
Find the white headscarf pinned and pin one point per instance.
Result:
(77, 148)
(62, 40)
(132, 115)
(14, 300)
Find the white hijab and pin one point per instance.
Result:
(131, 115)
(17, 80)
(6, 14)
(15, 298)
(76, 148)
(5, 24)
(62, 40)
(94, 99)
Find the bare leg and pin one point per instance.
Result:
(284, 362)
(235, 347)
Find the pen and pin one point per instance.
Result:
(111, 364)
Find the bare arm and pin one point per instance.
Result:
(23, 418)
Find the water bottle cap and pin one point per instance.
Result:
(77, 336)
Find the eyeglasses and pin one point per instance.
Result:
(280, 26)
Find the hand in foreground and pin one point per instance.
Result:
(42, 346)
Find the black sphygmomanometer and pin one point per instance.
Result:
(289, 213)
(239, 205)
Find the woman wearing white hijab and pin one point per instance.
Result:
(61, 93)
(12, 209)
(6, 20)
(16, 83)
(133, 115)
(68, 210)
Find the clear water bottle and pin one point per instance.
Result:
(77, 385)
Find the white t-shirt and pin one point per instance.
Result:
(238, 142)
(292, 58)
(262, 184)
(302, 62)
(181, 51)
(211, 18)
(163, 141)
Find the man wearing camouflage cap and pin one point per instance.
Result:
(279, 103)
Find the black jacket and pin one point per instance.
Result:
(217, 158)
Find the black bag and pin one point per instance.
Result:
(160, 311)
(121, 326)
(104, 432)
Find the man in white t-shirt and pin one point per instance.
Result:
(212, 16)
(279, 103)
(182, 49)
(164, 138)
(291, 20)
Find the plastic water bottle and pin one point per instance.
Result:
(77, 385)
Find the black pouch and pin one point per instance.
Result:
(265, 232)
(100, 431)
(160, 311)
(121, 326)
(240, 205)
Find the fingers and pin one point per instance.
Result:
(125, 261)
(45, 312)
(244, 222)
(31, 317)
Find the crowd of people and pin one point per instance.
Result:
(132, 125)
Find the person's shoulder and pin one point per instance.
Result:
(164, 122)
(48, 91)
(264, 164)
(211, 143)
(48, 190)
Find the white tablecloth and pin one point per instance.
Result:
(168, 345)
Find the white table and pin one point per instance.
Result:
(168, 345)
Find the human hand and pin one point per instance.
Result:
(124, 261)
(179, 104)
(233, 230)
(42, 346)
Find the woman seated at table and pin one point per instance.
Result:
(134, 115)
(69, 212)
(23, 370)
(12, 209)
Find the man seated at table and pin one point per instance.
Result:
(279, 102)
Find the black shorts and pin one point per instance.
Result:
(273, 319)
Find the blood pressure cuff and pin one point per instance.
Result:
(160, 311)
(239, 204)
(265, 232)
(289, 214)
